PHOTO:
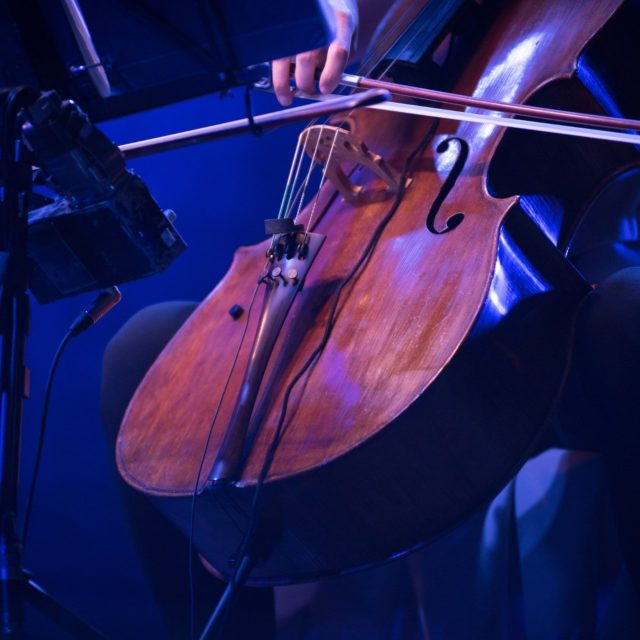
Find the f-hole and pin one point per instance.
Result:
(461, 148)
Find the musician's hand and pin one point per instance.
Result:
(331, 60)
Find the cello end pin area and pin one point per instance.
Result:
(215, 483)
(221, 475)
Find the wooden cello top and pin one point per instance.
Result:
(398, 324)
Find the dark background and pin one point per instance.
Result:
(79, 546)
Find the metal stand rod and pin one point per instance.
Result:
(14, 313)
(15, 585)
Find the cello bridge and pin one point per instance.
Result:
(337, 146)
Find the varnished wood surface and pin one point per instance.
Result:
(360, 457)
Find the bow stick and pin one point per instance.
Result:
(554, 115)
(265, 121)
(431, 95)
(500, 121)
(376, 97)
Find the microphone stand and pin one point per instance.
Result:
(16, 585)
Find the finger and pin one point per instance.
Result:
(280, 72)
(306, 65)
(337, 57)
(338, 52)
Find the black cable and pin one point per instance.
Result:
(106, 300)
(43, 425)
(256, 129)
(245, 556)
(329, 326)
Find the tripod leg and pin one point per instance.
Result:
(35, 595)
(11, 609)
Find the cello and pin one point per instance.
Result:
(415, 370)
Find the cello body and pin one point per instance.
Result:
(447, 352)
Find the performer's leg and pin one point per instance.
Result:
(162, 549)
(601, 408)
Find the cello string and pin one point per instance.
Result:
(289, 198)
(312, 165)
(293, 197)
(290, 180)
(324, 175)
(373, 52)
(300, 192)
(402, 51)
(288, 195)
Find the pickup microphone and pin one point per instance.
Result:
(104, 227)
(106, 300)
